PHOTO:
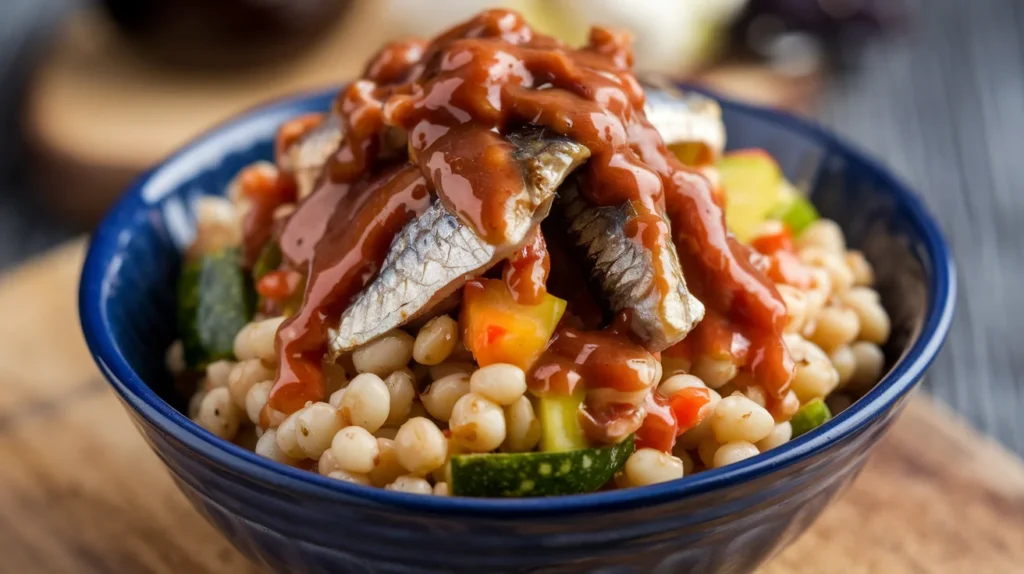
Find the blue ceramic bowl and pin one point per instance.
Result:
(725, 520)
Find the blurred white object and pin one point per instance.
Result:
(670, 36)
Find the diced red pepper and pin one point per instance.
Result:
(780, 239)
(690, 406)
(659, 429)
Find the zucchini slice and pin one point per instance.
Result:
(537, 473)
(215, 300)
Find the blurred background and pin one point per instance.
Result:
(91, 93)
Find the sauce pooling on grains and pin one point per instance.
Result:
(454, 98)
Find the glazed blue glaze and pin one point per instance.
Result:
(725, 520)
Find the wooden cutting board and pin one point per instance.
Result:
(81, 492)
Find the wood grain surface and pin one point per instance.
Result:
(81, 492)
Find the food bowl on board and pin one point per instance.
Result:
(724, 520)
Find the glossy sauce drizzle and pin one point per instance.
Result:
(454, 98)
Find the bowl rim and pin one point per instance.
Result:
(102, 260)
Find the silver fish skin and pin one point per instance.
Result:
(684, 117)
(306, 158)
(626, 274)
(436, 253)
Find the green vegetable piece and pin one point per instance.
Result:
(796, 212)
(268, 260)
(215, 300)
(537, 473)
(810, 416)
(560, 423)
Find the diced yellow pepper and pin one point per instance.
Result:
(496, 329)
(753, 185)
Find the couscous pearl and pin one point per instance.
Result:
(316, 426)
(823, 233)
(844, 362)
(522, 432)
(355, 450)
(441, 489)
(757, 394)
(734, 452)
(244, 376)
(218, 413)
(870, 364)
(814, 375)
(288, 437)
(218, 372)
(875, 325)
(650, 466)
(413, 484)
(796, 307)
(388, 466)
(477, 423)
(327, 463)
(785, 409)
(402, 391)
(385, 354)
(436, 340)
(267, 447)
(833, 263)
(738, 418)
(500, 383)
(386, 432)
(863, 274)
(421, 446)
(353, 477)
(366, 402)
(835, 327)
(676, 383)
(714, 372)
(439, 397)
(256, 340)
(780, 435)
(816, 296)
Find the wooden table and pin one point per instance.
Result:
(81, 492)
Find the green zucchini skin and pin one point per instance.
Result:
(215, 300)
(527, 474)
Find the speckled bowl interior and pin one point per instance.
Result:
(724, 520)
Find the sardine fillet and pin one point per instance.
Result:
(436, 253)
(683, 117)
(430, 253)
(625, 271)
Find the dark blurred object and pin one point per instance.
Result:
(798, 35)
(222, 33)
